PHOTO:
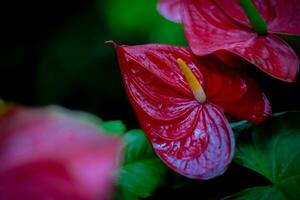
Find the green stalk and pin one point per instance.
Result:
(256, 20)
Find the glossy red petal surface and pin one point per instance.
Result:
(271, 54)
(192, 138)
(170, 9)
(205, 152)
(157, 87)
(209, 29)
(281, 16)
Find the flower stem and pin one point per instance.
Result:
(256, 20)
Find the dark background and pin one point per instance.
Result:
(53, 52)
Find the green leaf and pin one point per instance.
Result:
(272, 150)
(142, 171)
(115, 127)
(257, 193)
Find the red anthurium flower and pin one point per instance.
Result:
(54, 154)
(216, 25)
(181, 102)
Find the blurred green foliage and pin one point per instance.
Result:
(116, 127)
(137, 19)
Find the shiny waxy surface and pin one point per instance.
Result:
(191, 137)
(212, 26)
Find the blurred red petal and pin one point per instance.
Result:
(31, 136)
(281, 16)
(170, 9)
(208, 29)
(271, 54)
(43, 179)
(211, 26)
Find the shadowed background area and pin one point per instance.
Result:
(53, 52)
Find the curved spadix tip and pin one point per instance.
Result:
(193, 83)
(111, 42)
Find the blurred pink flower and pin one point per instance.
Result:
(53, 154)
